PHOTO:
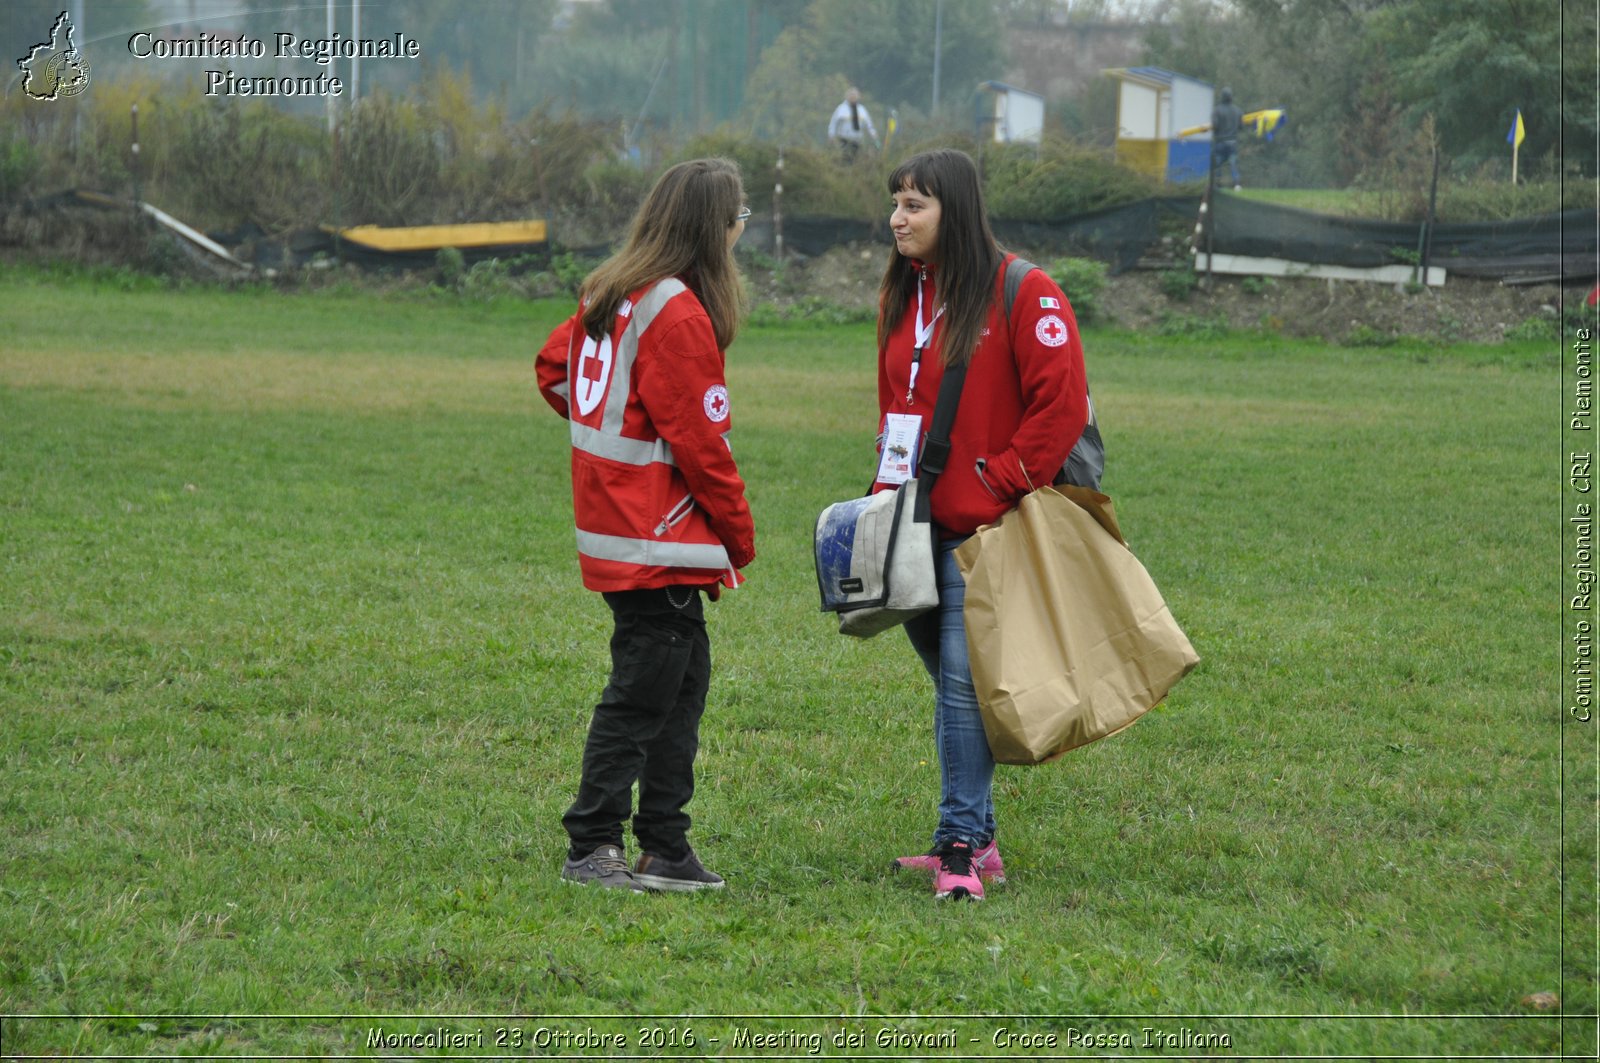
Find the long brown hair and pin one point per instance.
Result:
(680, 230)
(969, 256)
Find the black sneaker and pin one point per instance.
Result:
(605, 867)
(658, 873)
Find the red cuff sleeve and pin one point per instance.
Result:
(552, 365)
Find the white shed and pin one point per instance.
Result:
(1015, 115)
(1153, 105)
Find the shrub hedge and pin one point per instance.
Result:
(441, 156)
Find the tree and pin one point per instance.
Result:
(788, 98)
(1306, 56)
(682, 63)
(491, 41)
(886, 47)
(1473, 63)
(1580, 122)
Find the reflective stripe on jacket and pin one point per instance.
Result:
(656, 495)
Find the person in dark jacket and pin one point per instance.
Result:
(1226, 122)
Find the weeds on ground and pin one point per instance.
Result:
(1180, 283)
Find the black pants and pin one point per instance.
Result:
(646, 728)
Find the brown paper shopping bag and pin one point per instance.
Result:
(1069, 638)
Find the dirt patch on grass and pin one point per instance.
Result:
(1463, 310)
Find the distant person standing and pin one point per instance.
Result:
(849, 124)
(1226, 121)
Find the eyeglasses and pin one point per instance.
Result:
(743, 215)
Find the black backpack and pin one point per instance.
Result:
(1087, 462)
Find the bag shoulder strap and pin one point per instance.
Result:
(1016, 269)
(936, 449)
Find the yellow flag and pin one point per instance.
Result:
(1515, 136)
(1266, 122)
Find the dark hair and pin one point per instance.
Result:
(969, 255)
(680, 230)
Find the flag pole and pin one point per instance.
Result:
(1515, 136)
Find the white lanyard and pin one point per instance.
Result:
(924, 334)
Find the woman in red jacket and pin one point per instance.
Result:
(660, 511)
(1022, 408)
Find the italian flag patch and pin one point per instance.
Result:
(1049, 302)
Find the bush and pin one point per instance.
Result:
(1397, 182)
(163, 257)
(615, 188)
(389, 165)
(570, 270)
(558, 153)
(1083, 280)
(1178, 284)
(18, 163)
(452, 266)
(232, 162)
(1367, 336)
(817, 181)
(1536, 329)
(444, 157)
(1484, 199)
(488, 280)
(1057, 180)
(758, 162)
(1577, 314)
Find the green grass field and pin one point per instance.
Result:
(295, 667)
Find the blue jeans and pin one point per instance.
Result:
(966, 767)
(1227, 151)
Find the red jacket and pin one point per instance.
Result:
(1022, 409)
(656, 495)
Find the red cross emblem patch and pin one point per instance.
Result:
(716, 403)
(593, 372)
(1051, 330)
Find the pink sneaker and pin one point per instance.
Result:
(990, 867)
(956, 877)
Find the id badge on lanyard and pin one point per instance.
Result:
(902, 432)
(924, 337)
